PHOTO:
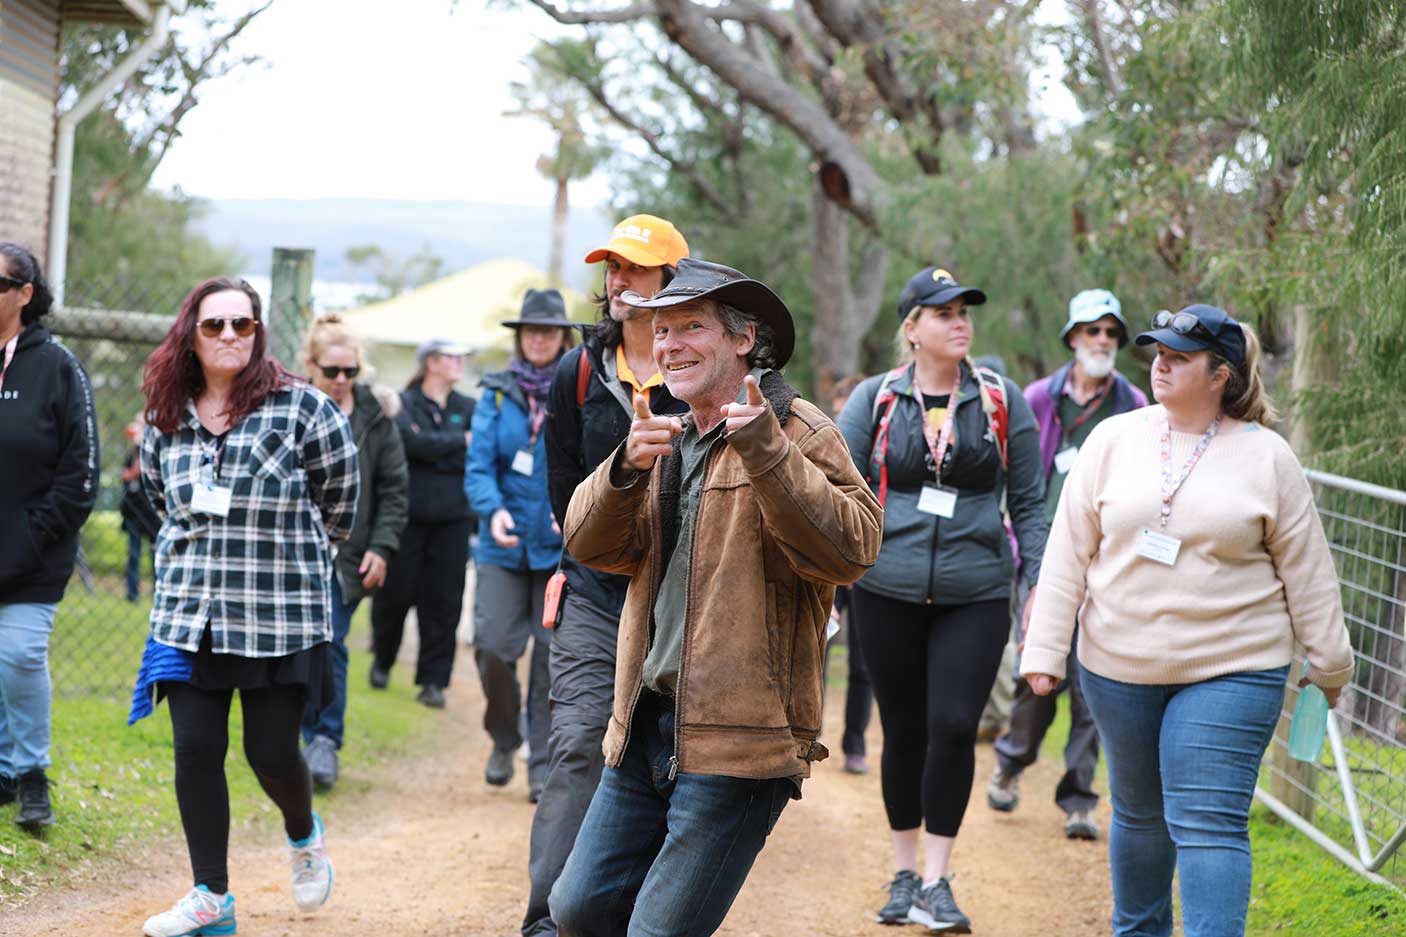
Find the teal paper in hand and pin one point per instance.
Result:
(1310, 724)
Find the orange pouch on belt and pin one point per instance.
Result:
(554, 600)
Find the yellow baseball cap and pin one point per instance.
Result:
(645, 240)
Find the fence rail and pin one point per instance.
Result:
(1352, 802)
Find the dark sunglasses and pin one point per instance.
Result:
(1183, 323)
(10, 283)
(1112, 331)
(330, 371)
(243, 326)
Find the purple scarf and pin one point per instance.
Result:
(534, 381)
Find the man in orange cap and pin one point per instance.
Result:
(589, 414)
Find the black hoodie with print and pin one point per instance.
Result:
(48, 466)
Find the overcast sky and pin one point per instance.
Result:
(399, 100)
(371, 99)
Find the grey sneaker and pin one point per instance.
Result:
(321, 756)
(431, 696)
(902, 890)
(35, 810)
(1082, 824)
(1003, 791)
(499, 770)
(936, 909)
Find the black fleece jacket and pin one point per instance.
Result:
(435, 450)
(48, 467)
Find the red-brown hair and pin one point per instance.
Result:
(172, 374)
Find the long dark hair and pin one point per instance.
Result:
(610, 332)
(24, 266)
(172, 374)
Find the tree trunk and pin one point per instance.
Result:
(559, 213)
(844, 312)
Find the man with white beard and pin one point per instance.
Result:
(1067, 405)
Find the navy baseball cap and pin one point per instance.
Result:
(1198, 327)
(933, 286)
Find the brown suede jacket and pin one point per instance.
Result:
(783, 518)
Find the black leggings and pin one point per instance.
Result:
(932, 668)
(200, 722)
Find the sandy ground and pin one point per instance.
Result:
(433, 850)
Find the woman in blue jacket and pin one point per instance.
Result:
(519, 543)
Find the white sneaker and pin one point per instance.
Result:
(200, 913)
(312, 870)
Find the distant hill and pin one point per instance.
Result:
(463, 233)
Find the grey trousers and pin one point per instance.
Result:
(507, 614)
(583, 686)
(1030, 720)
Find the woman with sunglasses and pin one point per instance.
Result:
(254, 475)
(333, 357)
(48, 481)
(1188, 545)
(519, 543)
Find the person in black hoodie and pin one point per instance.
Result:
(434, 549)
(48, 482)
(589, 414)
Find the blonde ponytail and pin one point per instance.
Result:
(329, 330)
(1245, 397)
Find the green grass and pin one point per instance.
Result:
(1298, 888)
(113, 784)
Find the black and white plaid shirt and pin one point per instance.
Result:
(258, 577)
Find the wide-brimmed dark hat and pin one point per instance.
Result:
(542, 307)
(1198, 327)
(934, 286)
(699, 279)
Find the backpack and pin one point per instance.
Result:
(583, 376)
(993, 404)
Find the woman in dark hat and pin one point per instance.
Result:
(519, 543)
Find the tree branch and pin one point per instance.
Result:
(1112, 79)
(627, 14)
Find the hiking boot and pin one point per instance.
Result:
(499, 770)
(936, 910)
(431, 696)
(312, 870)
(34, 801)
(855, 764)
(1003, 791)
(380, 677)
(902, 890)
(321, 756)
(199, 914)
(9, 789)
(1082, 824)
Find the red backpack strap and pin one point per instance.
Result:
(993, 401)
(884, 400)
(583, 376)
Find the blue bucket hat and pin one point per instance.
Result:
(1198, 328)
(1090, 306)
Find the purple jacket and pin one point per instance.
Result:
(1044, 393)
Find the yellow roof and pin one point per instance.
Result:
(467, 307)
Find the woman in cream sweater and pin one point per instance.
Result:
(1187, 545)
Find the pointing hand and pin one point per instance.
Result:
(739, 415)
(650, 436)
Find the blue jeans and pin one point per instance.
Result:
(24, 686)
(658, 857)
(331, 721)
(1182, 764)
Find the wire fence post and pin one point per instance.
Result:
(290, 302)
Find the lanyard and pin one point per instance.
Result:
(537, 415)
(1094, 402)
(1170, 485)
(214, 453)
(9, 355)
(938, 441)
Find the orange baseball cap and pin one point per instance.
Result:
(645, 240)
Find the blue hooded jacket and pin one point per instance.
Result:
(502, 429)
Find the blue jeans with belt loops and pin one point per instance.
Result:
(660, 856)
(1182, 765)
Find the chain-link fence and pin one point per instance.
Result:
(1352, 801)
(102, 622)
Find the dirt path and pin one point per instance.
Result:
(435, 851)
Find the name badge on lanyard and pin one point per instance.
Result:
(522, 462)
(210, 498)
(1158, 547)
(537, 415)
(939, 500)
(936, 498)
(1064, 459)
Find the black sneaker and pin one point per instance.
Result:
(902, 890)
(431, 695)
(321, 756)
(35, 811)
(9, 789)
(936, 910)
(380, 677)
(499, 770)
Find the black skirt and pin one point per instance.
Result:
(310, 668)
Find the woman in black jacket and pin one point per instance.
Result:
(333, 357)
(434, 549)
(48, 481)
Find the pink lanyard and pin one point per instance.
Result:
(1170, 484)
(9, 355)
(938, 441)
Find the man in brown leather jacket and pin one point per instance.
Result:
(735, 524)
